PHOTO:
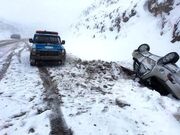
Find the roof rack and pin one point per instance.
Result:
(46, 32)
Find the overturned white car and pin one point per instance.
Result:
(157, 72)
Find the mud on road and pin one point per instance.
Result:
(53, 100)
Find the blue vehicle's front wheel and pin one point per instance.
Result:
(32, 62)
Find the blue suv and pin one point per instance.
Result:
(47, 46)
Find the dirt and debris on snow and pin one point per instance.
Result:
(97, 96)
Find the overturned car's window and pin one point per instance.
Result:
(47, 39)
(149, 63)
(142, 69)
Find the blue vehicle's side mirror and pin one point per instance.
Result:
(172, 57)
(63, 42)
(31, 40)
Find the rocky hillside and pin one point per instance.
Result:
(167, 10)
(116, 17)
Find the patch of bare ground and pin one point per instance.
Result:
(158, 8)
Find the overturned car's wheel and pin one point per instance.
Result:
(144, 47)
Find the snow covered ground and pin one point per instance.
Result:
(21, 101)
(97, 98)
(91, 91)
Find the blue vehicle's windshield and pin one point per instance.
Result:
(46, 39)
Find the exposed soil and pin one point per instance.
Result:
(157, 8)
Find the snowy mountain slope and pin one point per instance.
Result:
(112, 29)
(105, 16)
(7, 28)
(114, 15)
(167, 10)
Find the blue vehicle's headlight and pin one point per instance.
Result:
(33, 51)
(63, 51)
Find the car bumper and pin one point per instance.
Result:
(49, 58)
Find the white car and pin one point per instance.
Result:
(157, 72)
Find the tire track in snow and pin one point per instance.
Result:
(19, 53)
(7, 63)
(28, 45)
(53, 99)
(7, 42)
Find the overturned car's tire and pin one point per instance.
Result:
(144, 47)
